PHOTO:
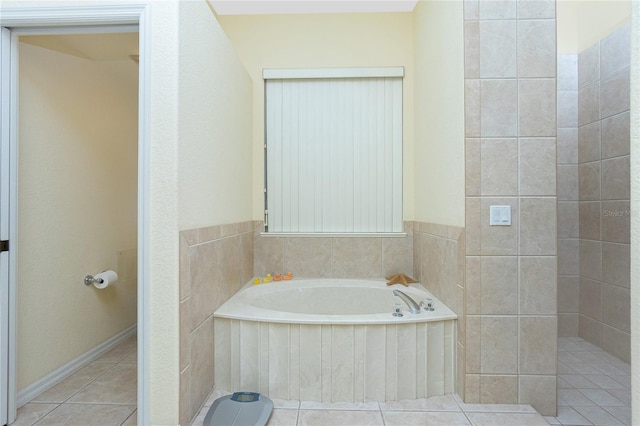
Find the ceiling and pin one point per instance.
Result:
(97, 47)
(259, 7)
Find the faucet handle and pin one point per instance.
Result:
(427, 304)
(397, 310)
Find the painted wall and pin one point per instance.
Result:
(438, 152)
(582, 23)
(77, 205)
(317, 41)
(215, 124)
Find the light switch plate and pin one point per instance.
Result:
(500, 215)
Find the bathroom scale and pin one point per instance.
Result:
(239, 409)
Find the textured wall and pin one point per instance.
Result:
(510, 126)
(604, 190)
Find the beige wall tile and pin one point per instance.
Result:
(473, 225)
(206, 269)
(268, 255)
(615, 93)
(568, 146)
(615, 51)
(537, 166)
(499, 284)
(568, 294)
(568, 256)
(589, 181)
(538, 231)
(591, 259)
(357, 257)
(185, 347)
(201, 342)
(617, 343)
(473, 352)
(589, 142)
(498, 49)
(590, 330)
(588, 104)
(615, 178)
(397, 255)
(616, 307)
(536, 46)
(589, 220)
(589, 65)
(591, 298)
(498, 389)
(472, 167)
(538, 285)
(185, 281)
(616, 221)
(538, 340)
(537, 107)
(567, 72)
(615, 135)
(568, 219)
(568, 182)
(499, 345)
(499, 167)
(616, 264)
(568, 325)
(473, 285)
(499, 105)
(472, 49)
(540, 392)
(536, 9)
(186, 412)
(308, 257)
(472, 389)
(568, 109)
(499, 240)
(472, 108)
(497, 9)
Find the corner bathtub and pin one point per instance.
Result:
(333, 340)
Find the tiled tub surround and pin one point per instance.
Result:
(214, 264)
(511, 271)
(603, 188)
(349, 350)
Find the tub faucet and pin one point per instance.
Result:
(413, 306)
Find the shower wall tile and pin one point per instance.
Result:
(567, 73)
(591, 298)
(567, 182)
(472, 167)
(537, 9)
(589, 220)
(499, 167)
(568, 219)
(591, 259)
(537, 107)
(589, 65)
(589, 104)
(497, 9)
(536, 48)
(616, 179)
(499, 106)
(499, 345)
(537, 166)
(616, 342)
(615, 93)
(472, 49)
(590, 330)
(538, 391)
(568, 109)
(616, 307)
(568, 256)
(568, 145)
(568, 324)
(616, 221)
(498, 389)
(569, 294)
(472, 105)
(537, 340)
(615, 135)
(589, 142)
(499, 240)
(615, 51)
(498, 49)
(616, 264)
(499, 285)
(538, 229)
(473, 225)
(589, 181)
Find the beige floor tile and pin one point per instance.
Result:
(493, 419)
(87, 415)
(30, 413)
(569, 416)
(121, 351)
(602, 398)
(348, 406)
(604, 382)
(393, 418)
(435, 403)
(623, 414)
(598, 416)
(282, 417)
(116, 387)
(285, 403)
(339, 417)
(574, 398)
(132, 420)
(72, 384)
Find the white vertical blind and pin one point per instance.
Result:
(334, 155)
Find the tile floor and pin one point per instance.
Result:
(594, 387)
(102, 393)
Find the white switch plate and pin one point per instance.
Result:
(500, 215)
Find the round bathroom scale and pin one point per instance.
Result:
(239, 409)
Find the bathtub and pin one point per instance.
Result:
(333, 340)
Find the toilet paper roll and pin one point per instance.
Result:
(108, 277)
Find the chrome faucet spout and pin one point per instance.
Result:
(413, 306)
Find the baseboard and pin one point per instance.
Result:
(55, 377)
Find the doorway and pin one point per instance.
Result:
(57, 20)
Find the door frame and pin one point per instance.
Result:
(54, 20)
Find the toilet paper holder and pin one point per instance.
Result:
(89, 279)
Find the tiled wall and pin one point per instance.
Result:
(511, 271)
(334, 257)
(215, 262)
(603, 182)
(439, 259)
(568, 206)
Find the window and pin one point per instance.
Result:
(333, 150)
